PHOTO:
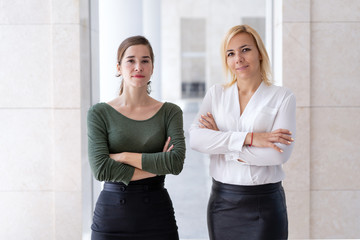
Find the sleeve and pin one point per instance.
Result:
(210, 141)
(168, 162)
(286, 119)
(103, 167)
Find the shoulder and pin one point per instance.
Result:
(279, 91)
(219, 89)
(171, 107)
(97, 109)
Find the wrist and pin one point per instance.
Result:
(122, 157)
(251, 140)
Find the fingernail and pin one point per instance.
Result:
(290, 132)
(281, 150)
(292, 139)
(289, 142)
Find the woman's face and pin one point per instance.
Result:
(136, 66)
(243, 57)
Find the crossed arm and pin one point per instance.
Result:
(135, 160)
(267, 148)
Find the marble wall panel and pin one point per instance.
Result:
(335, 150)
(296, 61)
(335, 64)
(296, 11)
(24, 66)
(335, 214)
(67, 150)
(335, 10)
(298, 206)
(65, 11)
(26, 12)
(66, 62)
(26, 150)
(297, 169)
(68, 215)
(26, 215)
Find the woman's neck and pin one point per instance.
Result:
(246, 87)
(134, 98)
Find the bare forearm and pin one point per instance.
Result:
(132, 159)
(141, 174)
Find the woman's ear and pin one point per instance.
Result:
(118, 68)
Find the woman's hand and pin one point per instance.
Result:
(268, 139)
(166, 146)
(208, 122)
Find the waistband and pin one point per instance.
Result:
(252, 189)
(120, 187)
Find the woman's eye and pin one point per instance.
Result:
(246, 50)
(130, 61)
(145, 61)
(230, 54)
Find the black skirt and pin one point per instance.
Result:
(140, 211)
(247, 212)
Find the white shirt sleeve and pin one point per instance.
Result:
(210, 141)
(285, 119)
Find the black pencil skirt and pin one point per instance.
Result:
(247, 212)
(140, 211)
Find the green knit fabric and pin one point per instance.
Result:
(111, 132)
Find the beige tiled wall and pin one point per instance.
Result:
(40, 167)
(320, 64)
(42, 115)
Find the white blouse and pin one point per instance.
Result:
(270, 108)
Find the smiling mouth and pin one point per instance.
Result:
(241, 68)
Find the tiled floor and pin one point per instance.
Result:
(191, 188)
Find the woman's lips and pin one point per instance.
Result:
(241, 68)
(139, 76)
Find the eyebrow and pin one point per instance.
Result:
(134, 56)
(239, 47)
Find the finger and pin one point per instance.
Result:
(166, 144)
(281, 138)
(205, 123)
(284, 131)
(170, 148)
(277, 148)
(210, 119)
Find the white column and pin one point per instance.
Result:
(118, 19)
(152, 31)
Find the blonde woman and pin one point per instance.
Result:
(134, 141)
(248, 128)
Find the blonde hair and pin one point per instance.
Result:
(265, 69)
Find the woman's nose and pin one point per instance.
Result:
(138, 67)
(239, 58)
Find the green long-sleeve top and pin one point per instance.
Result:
(111, 132)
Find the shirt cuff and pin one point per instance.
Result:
(236, 141)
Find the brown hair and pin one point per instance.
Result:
(131, 41)
(265, 69)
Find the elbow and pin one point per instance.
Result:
(195, 144)
(178, 164)
(99, 177)
(177, 170)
